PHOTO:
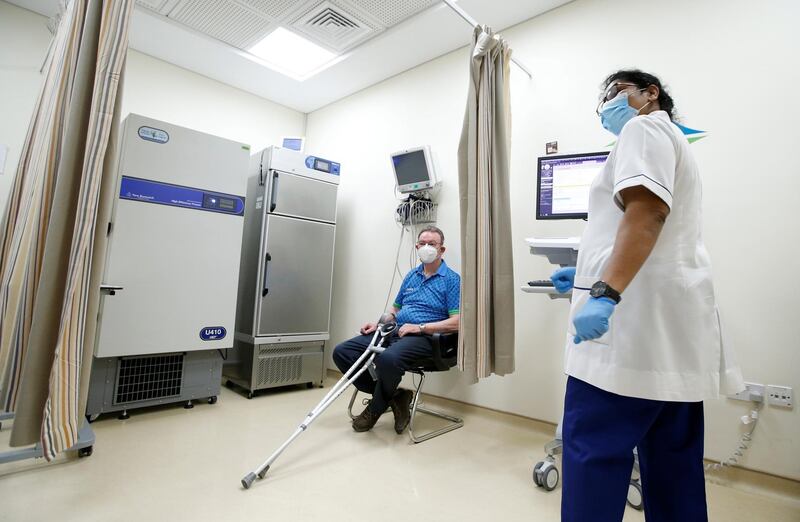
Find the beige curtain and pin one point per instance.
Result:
(49, 275)
(486, 337)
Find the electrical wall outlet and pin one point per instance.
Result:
(753, 392)
(780, 396)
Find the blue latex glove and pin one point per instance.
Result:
(563, 279)
(591, 321)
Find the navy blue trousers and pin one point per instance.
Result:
(600, 431)
(390, 365)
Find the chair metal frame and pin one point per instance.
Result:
(441, 364)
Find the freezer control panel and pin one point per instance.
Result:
(149, 191)
(220, 203)
(323, 165)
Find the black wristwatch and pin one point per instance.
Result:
(601, 289)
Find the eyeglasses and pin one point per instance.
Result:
(612, 91)
(431, 243)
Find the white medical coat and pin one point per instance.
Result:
(665, 338)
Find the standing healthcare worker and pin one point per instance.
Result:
(644, 347)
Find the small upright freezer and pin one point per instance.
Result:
(283, 312)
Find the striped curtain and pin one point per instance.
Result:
(49, 228)
(486, 336)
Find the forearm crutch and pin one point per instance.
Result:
(386, 326)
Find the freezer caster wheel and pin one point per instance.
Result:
(212, 400)
(248, 480)
(188, 405)
(91, 418)
(263, 473)
(85, 452)
(635, 496)
(124, 415)
(229, 384)
(249, 395)
(309, 385)
(545, 475)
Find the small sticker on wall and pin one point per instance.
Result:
(551, 147)
(259, 202)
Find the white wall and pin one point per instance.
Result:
(732, 69)
(23, 44)
(151, 87)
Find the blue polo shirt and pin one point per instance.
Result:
(422, 300)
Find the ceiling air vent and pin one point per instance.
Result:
(330, 18)
(334, 27)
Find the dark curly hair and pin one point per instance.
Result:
(643, 80)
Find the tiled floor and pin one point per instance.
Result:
(175, 464)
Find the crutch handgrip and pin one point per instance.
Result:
(387, 318)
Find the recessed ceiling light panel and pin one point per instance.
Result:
(291, 54)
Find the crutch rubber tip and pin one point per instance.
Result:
(248, 480)
(263, 472)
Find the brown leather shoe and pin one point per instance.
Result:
(401, 407)
(366, 420)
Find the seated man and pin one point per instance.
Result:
(427, 303)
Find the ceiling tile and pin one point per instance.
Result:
(391, 13)
(224, 20)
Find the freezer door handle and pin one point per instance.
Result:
(265, 289)
(110, 289)
(274, 196)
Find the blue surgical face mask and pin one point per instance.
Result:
(616, 113)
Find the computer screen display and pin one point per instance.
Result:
(413, 170)
(564, 181)
(293, 143)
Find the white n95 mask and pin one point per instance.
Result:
(427, 254)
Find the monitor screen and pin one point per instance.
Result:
(411, 167)
(563, 185)
(293, 143)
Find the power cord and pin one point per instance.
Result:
(744, 442)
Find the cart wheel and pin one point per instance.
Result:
(545, 475)
(229, 384)
(124, 415)
(635, 497)
(309, 385)
(550, 476)
(250, 395)
(188, 406)
(212, 400)
(536, 469)
(85, 452)
(91, 418)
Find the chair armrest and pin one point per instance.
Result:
(444, 344)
